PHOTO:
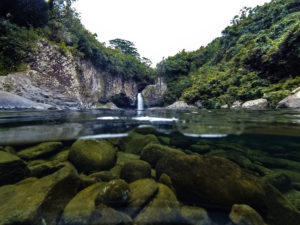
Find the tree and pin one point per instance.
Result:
(25, 12)
(127, 47)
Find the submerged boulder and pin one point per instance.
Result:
(38, 201)
(195, 215)
(45, 149)
(292, 101)
(245, 215)
(154, 152)
(256, 104)
(135, 142)
(83, 210)
(142, 191)
(135, 169)
(12, 168)
(92, 155)
(162, 209)
(220, 183)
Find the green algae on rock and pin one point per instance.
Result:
(92, 155)
(45, 149)
(12, 168)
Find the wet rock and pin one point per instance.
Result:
(41, 168)
(256, 104)
(92, 155)
(38, 201)
(164, 140)
(12, 168)
(210, 180)
(108, 216)
(220, 183)
(162, 209)
(166, 180)
(294, 197)
(195, 215)
(123, 157)
(181, 105)
(181, 141)
(153, 152)
(103, 176)
(237, 105)
(142, 191)
(135, 169)
(116, 171)
(292, 101)
(83, 210)
(135, 142)
(12, 101)
(115, 193)
(198, 104)
(201, 149)
(279, 180)
(42, 150)
(153, 94)
(61, 156)
(245, 215)
(86, 181)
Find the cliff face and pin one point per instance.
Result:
(58, 78)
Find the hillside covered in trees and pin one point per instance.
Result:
(257, 56)
(23, 23)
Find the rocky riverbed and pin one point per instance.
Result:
(149, 178)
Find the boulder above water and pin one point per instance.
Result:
(256, 104)
(12, 101)
(292, 101)
(92, 155)
(181, 105)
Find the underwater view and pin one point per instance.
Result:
(198, 167)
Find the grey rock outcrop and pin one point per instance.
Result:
(64, 81)
(181, 105)
(12, 101)
(153, 94)
(237, 105)
(292, 101)
(256, 104)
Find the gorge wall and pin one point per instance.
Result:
(56, 77)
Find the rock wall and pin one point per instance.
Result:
(153, 94)
(58, 78)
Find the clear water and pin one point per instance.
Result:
(260, 136)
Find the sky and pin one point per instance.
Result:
(160, 28)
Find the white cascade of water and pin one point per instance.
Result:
(140, 102)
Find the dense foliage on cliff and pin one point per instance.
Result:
(22, 23)
(257, 56)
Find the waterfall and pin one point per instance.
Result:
(140, 102)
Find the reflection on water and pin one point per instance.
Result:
(212, 167)
(33, 127)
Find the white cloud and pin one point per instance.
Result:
(160, 28)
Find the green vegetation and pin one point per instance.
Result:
(22, 23)
(257, 56)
